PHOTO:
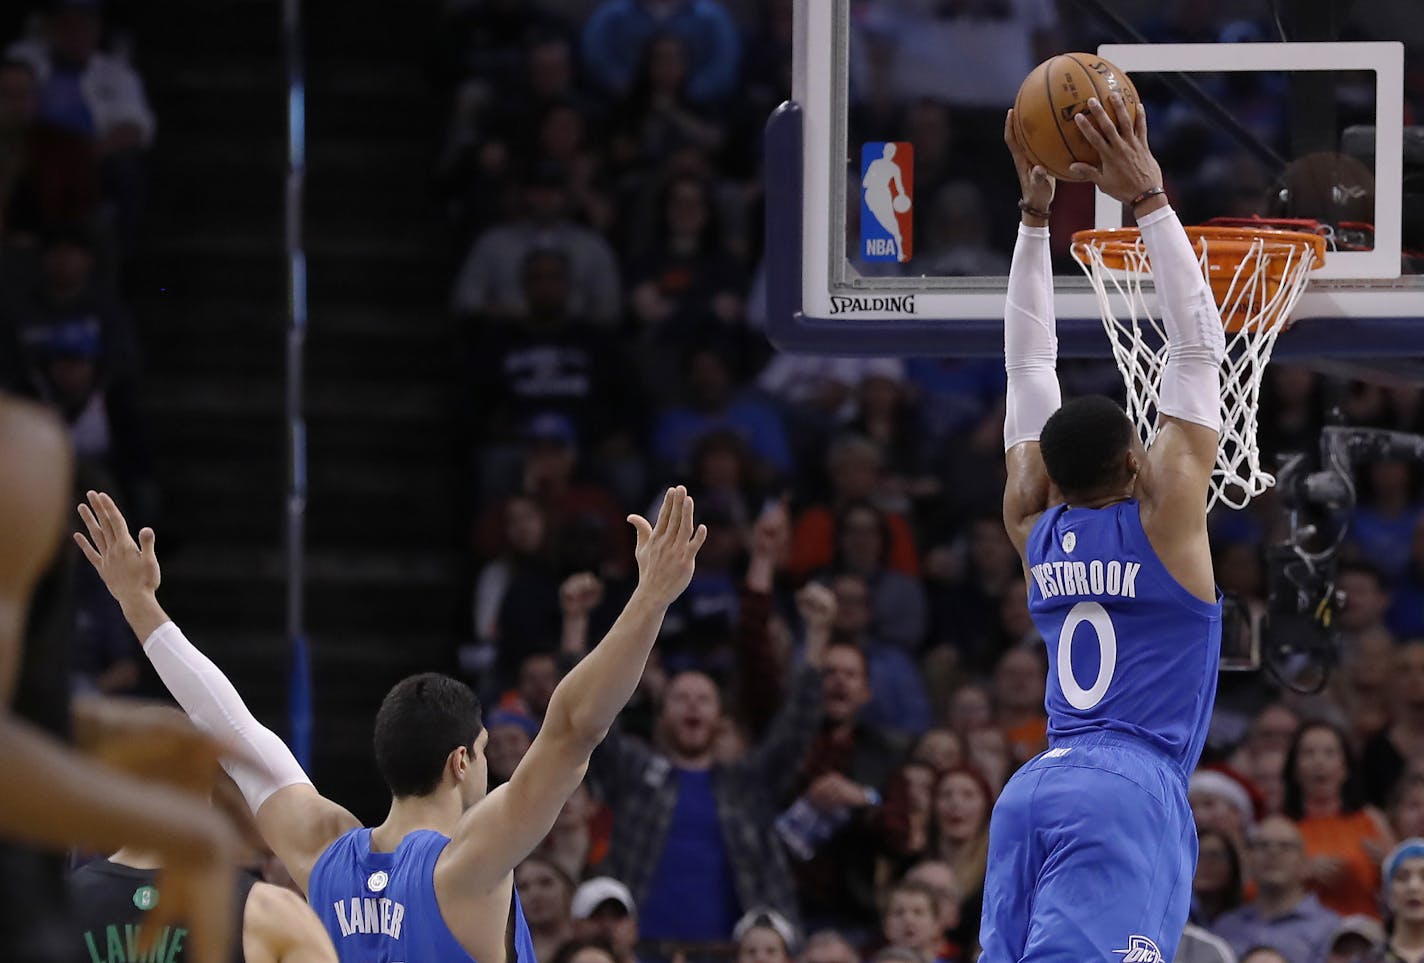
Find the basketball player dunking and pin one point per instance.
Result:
(1091, 846)
(434, 881)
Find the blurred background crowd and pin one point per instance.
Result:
(852, 675)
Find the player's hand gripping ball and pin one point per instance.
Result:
(1052, 95)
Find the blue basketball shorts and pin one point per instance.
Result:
(1092, 850)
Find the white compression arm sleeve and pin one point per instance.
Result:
(214, 706)
(1030, 340)
(1196, 339)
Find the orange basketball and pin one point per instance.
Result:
(1051, 96)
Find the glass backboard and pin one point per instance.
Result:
(891, 198)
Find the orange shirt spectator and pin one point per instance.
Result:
(1344, 839)
(1348, 841)
(813, 543)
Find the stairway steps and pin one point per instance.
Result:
(383, 590)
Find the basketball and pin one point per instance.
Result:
(901, 203)
(1052, 95)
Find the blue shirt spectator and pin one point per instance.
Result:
(712, 407)
(692, 896)
(1383, 530)
(615, 35)
(1283, 916)
(898, 700)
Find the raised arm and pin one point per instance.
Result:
(297, 822)
(506, 826)
(1173, 489)
(1030, 349)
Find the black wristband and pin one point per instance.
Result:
(1145, 195)
(1030, 210)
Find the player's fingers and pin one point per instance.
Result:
(1103, 120)
(146, 538)
(684, 531)
(698, 538)
(1125, 120)
(1090, 132)
(114, 521)
(641, 526)
(1009, 136)
(676, 509)
(1040, 174)
(1140, 123)
(98, 512)
(95, 559)
(113, 518)
(96, 530)
(1085, 171)
(665, 513)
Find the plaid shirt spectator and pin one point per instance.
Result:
(640, 785)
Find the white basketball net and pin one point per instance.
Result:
(1267, 282)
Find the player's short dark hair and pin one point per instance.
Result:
(421, 721)
(1083, 443)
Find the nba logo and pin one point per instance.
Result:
(887, 189)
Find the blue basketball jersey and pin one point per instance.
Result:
(381, 907)
(1130, 650)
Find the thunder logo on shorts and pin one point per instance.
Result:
(887, 190)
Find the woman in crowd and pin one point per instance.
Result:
(906, 815)
(1404, 896)
(1216, 888)
(959, 835)
(546, 892)
(1344, 838)
(940, 749)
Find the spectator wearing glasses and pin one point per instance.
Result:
(1284, 915)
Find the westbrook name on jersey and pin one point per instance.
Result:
(1130, 650)
(1092, 846)
(381, 907)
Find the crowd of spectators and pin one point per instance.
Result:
(808, 768)
(75, 126)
